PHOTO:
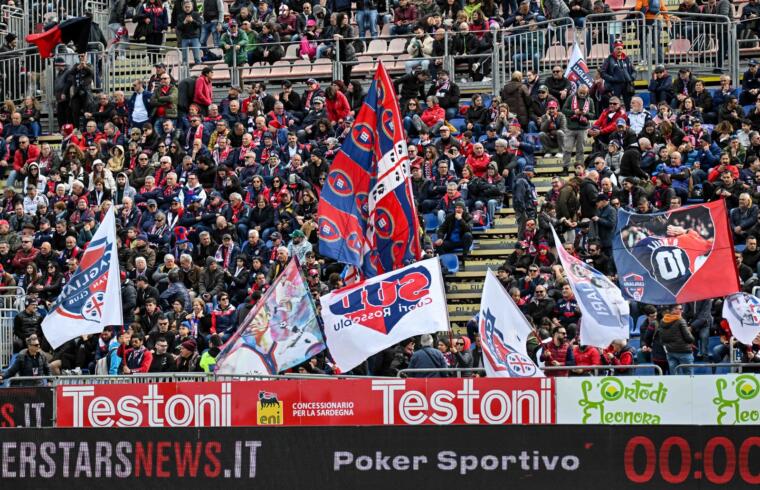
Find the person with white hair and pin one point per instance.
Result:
(278, 264)
(427, 357)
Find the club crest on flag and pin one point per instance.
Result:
(328, 230)
(381, 306)
(503, 355)
(362, 136)
(86, 289)
(633, 285)
(340, 183)
(383, 223)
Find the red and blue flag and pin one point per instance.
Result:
(367, 216)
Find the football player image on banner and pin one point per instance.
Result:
(742, 311)
(604, 313)
(280, 332)
(676, 256)
(503, 333)
(91, 299)
(363, 319)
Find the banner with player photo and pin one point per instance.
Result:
(676, 256)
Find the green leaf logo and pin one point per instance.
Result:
(747, 387)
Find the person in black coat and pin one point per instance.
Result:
(618, 73)
(660, 86)
(455, 231)
(411, 86)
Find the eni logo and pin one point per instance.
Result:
(730, 411)
(269, 409)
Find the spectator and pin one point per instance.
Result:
(558, 352)
(427, 358)
(29, 362)
(553, 126)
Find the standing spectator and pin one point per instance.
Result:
(366, 17)
(558, 352)
(213, 11)
(153, 20)
(427, 357)
(698, 314)
(618, 74)
(517, 96)
(80, 79)
(604, 220)
(677, 339)
(164, 104)
(579, 111)
(525, 199)
(189, 24)
(233, 44)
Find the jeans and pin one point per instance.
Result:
(409, 65)
(554, 142)
(366, 20)
(11, 178)
(34, 128)
(195, 45)
(401, 30)
(491, 206)
(209, 29)
(677, 358)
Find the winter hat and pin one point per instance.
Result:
(189, 345)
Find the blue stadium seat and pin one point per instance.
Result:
(458, 123)
(635, 325)
(450, 263)
(645, 97)
(431, 222)
(487, 99)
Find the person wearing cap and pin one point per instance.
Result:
(604, 222)
(660, 86)
(606, 123)
(553, 126)
(189, 360)
(750, 83)
(233, 43)
(10, 43)
(618, 73)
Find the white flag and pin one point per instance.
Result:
(742, 311)
(577, 70)
(604, 312)
(503, 333)
(373, 315)
(91, 299)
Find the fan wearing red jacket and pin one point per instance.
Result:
(338, 107)
(606, 124)
(204, 93)
(137, 358)
(619, 353)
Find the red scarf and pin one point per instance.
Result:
(586, 104)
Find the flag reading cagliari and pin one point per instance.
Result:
(91, 299)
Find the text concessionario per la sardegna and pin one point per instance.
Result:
(521, 457)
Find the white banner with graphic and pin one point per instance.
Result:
(503, 333)
(742, 311)
(382, 311)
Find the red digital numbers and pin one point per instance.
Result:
(719, 460)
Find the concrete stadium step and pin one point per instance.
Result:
(495, 244)
(464, 310)
(499, 230)
(464, 287)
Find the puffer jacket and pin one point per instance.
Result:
(516, 95)
(675, 336)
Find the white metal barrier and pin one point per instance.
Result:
(41, 12)
(20, 73)
(12, 21)
(11, 302)
(130, 61)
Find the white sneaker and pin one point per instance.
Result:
(475, 66)
(558, 155)
(547, 155)
(486, 79)
(464, 80)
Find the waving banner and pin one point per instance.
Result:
(375, 314)
(577, 70)
(367, 216)
(676, 256)
(605, 314)
(503, 332)
(742, 311)
(91, 299)
(280, 332)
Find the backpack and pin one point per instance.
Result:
(653, 7)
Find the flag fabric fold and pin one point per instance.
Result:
(91, 299)
(375, 314)
(674, 256)
(367, 216)
(280, 332)
(504, 331)
(76, 30)
(604, 312)
(742, 311)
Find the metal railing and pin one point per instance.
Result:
(20, 73)
(12, 20)
(42, 12)
(127, 62)
(11, 302)
(96, 379)
(634, 367)
(733, 366)
(601, 31)
(403, 373)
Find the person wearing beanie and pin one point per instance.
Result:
(208, 359)
(189, 359)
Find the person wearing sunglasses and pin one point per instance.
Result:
(29, 362)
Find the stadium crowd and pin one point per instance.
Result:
(215, 195)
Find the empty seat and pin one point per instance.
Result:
(365, 65)
(301, 69)
(556, 54)
(280, 69)
(679, 47)
(377, 47)
(321, 68)
(291, 53)
(397, 45)
(599, 51)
